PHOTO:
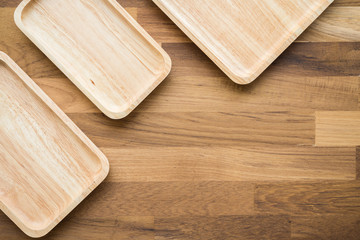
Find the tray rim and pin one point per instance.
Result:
(127, 108)
(246, 78)
(101, 175)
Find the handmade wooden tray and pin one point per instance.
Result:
(99, 47)
(47, 165)
(243, 37)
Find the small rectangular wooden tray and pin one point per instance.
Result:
(47, 164)
(243, 37)
(99, 47)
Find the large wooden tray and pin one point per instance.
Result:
(243, 37)
(99, 47)
(47, 165)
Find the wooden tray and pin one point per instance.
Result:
(99, 47)
(47, 165)
(243, 37)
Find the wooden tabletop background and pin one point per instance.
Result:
(204, 158)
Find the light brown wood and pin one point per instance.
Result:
(335, 24)
(339, 226)
(161, 199)
(337, 128)
(273, 163)
(308, 198)
(103, 228)
(243, 38)
(47, 164)
(222, 227)
(100, 47)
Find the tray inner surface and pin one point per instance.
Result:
(97, 47)
(44, 166)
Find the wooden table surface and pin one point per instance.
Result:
(204, 158)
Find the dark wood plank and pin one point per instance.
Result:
(273, 163)
(9, 3)
(339, 23)
(125, 210)
(347, 3)
(308, 198)
(319, 59)
(199, 129)
(112, 200)
(358, 163)
(223, 227)
(75, 228)
(325, 227)
(304, 59)
(208, 94)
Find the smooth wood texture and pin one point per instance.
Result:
(243, 38)
(164, 153)
(308, 198)
(47, 164)
(271, 163)
(100, 47)
(330, 227)
(337, 128)
(222, 227)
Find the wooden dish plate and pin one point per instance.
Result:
(99, 47)
(47, 164)
(243, 37)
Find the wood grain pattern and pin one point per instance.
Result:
(121, 227)
(358, 163)
(113, 61)
(329, 227)
(337, 128)
(162, 199)
(335, 24)
(274, 163)
(264, 30)
(211, 228)
(199, 129)
(308, 198)
(47, 164)
(159, 185)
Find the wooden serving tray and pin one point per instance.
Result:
(47, 164)
(99, 47)
(243, 37)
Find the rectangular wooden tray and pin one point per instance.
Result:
(47, 164)
(99, 47)
(243, 37)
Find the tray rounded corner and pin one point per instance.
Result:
(167, 63)
(117, 112)
(19, 12)
(242, 78)
(105, 167)
(3, 56)
(37, 233)
(33, 232)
